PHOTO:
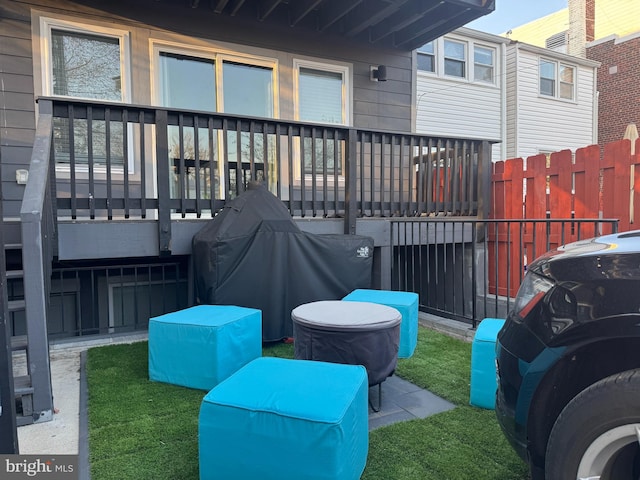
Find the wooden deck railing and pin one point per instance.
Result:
(126, 161)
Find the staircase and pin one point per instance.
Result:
(32, 392)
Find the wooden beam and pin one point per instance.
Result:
(415, 37)
(218, 6)
(236, 7)
(402, 19)
(301, 10)
(371, 13)
(266, 7)
(330, 15)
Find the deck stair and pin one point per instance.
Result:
(33, 394)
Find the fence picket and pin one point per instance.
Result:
(563, 188)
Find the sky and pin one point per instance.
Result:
(513, 13)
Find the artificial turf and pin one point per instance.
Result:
(140, 429)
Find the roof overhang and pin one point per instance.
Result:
(401, 24)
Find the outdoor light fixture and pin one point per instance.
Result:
(379, 73)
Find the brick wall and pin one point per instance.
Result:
(619, 87)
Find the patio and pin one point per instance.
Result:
(69, 430)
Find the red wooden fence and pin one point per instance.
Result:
(587, 186)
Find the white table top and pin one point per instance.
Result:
(343, 315)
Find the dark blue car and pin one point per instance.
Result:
(568, 361)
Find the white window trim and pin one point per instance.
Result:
(345, 71)
(156, 46)
(472, 50)
(466, 47)
(218, 56)
(46, 25)
(557, 64)
(435, 55)
(469, 78)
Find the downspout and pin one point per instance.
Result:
(596, 109)
(503, 100)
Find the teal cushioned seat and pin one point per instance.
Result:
(406, 303)
(198, 347)
(280, 419)
(483, 363)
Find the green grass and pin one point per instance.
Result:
(141, 430)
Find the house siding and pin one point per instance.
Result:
(547, 124)
(374, 105)
(512, 102)
(17, 118)
(462, 108)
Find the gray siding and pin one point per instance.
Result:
(375, 105)
(17, 118)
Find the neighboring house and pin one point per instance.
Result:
(527, 99)
(126, 124)
(461, 87)
(551, 101)
(606, 31)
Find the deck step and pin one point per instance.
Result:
(22, 386)
(19, 342)
(16, 305)
(12, 246)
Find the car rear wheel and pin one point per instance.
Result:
(597, 435)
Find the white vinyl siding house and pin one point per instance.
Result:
(460, 87)
(551, 101)
(538, 100)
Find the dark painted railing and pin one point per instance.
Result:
(126, 161)
(454, 265)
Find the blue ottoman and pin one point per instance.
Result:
(406, 303)
(483, 363)
(279, 419)
(200, 346)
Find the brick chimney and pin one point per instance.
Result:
(577, 28)
(581, 25)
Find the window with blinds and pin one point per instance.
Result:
(321, 99)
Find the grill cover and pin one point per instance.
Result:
(253, 255)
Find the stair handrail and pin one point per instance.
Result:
(38, 227)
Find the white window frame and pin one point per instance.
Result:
(433, 55)
(48, 24)
(556, 94)
(218, 56)
(345, 71)
(470, 46)
(573, 84)
(464, 61)
(493, 63)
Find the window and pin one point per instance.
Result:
(322, 97)
(547, 78)
(567, 82)
(201, 79)
(454, 59)
(86, 62)
(483, 59)
(550, 71)
(427, 58)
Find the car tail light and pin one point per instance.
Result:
(533, 288)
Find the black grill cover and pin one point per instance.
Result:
(253, 255)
